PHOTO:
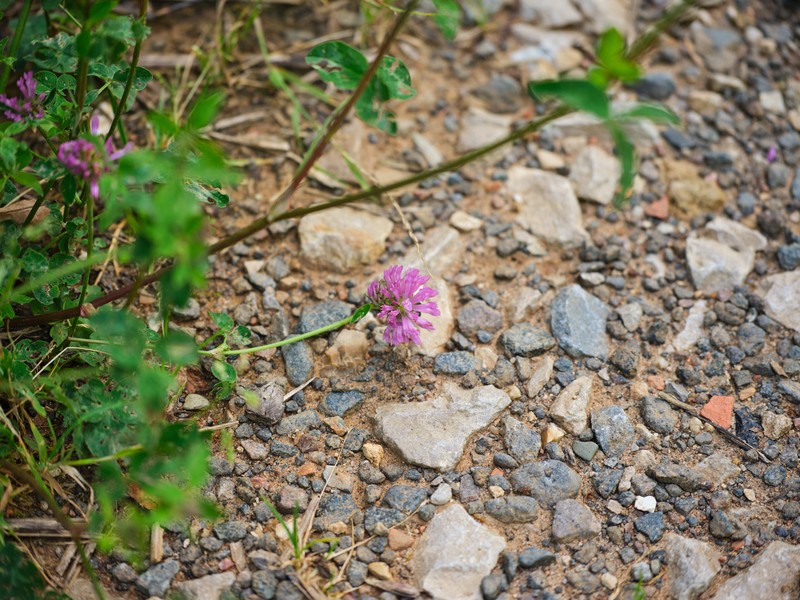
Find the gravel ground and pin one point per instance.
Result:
(610, 397)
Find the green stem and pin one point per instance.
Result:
(82, 462)
(285, 342)
(137, 49)
(15, 42)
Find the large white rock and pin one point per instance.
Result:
(722, 254)
(595, 175)
(341, 239)
(433, 433)
(443, 250)
(692, 566)
(479, 127)
(548, 207)
(781, 295)
(570, 407)
(549, 14)
(774, 576)
(604, 14)
(454, 554)
(433, 342)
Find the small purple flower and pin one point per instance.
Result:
(401, 299)
(772, 154)
(28, 105)
(88, 160)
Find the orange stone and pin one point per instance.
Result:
(719, 410)
(497, 471)
(399, 539)
(656, 382)
(658, 209)
(306, 469)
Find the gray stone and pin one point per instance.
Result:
(270, 407)
(512, 509)
(693, 564)
(456, 363)
(542, 373)
(549, 15)
(378, 520)
(781, 295)
(774, 575)
(523, 339)
(316, 316)
(433, 433)
(585, 450)
(195, 402)
(502, 94)
(717, 469)
(687, 478)
(299, 361)
(719, 48)
(651, 525)
(157, 579)
(612, 430)
(479, 128)
(548, 206)
(573, 521)
(230, 531)
(291, 496)
(255, 450)
(334, 508)
(190, 312)
(302, 421)
(454, 555)
(604, 14)
(547, 481)
(721, 256)
(658, 415)
(264, 584)
(569, 409)
(209, 587)
(521, 441)
(631, 315)
(405, 498)
(476, 315)
(791, 389)
(605, 481)
(342, 239)
(578, 322)
(595, 174)
(655, 86)
(338, 404)
(535, 558)
(124, 573)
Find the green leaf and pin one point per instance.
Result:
(611, 49)
(223, 371)
(28, 180)
(69, 187)
(361, 312)
(448, 17)
(205, 109)
(652, 112)
(124, 334)
(221, 320)
(346, 65)
(141, 77)
(34, 262)
(575, 93)
(627, 158)
(177, 348)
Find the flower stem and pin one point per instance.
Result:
(15, 42)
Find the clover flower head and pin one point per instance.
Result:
(88, 160)
(28, 105)
(401, 300)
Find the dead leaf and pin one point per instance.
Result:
(18, 212)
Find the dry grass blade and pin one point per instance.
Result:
(18, 212)
(40, 528)
(257, 141)
(397, 588)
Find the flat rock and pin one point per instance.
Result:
(612, 430)
(548, 481)
(454, 554)
(685, 477)
(523, 339)
(479, 127)
(433, 433)
(315, 316)
(513, 509)
(569, 408)
(433, 341)
(209, 587)
(722, 254)
(692, 566)
(595, 174)
(550, 15)
(334, 508)
(195, 402)
(522, 442)
(476, 316)
(157, 579)
(341, 239)
(717, 468)
(578, 322)
(658, 415)
(775, 575)
(574, 521)
(781, 295)
(542, 373)
(548, 207)
(443, 249)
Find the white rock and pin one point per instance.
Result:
(541, 375)
(479, 127)
(781, 295)
(442, 495)
(547, 205)
(692, 566)
(341, 239)
(772, 102)
(609, 581)
(255, 450)
(775, 426)
(195, 402)
(693, 329)
(525, 300)
(433, 433)
(631, 315)
(433, 156)
(717, 468)
(454, 554)
(645, 503)
(737, 236)
(433, 341)
(775, 575)
(209, 587)
(715, 266)
(443, 249)
(570, 407)
(604, 14)
(463, 221)
(595, 175)
(549, 14)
